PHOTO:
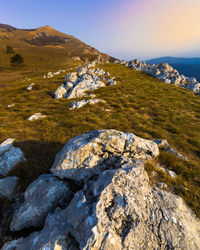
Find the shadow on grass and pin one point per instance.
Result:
(39, 159)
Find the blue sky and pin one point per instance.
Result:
(122, 28)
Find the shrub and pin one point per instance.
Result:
(9, 50)
(17, 60)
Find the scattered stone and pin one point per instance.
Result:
(36, 116)
(82, 103)
(8, 187)
(30, 87)
(50, 75)
(165, 145)
(41, 197)
(10, 156)
(171, 173)
(10, 106)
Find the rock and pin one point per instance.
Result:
(10, 156)
(8, 187)
(30, 87)
(50, 75)
(36, 116)
(192, 80)
(112, 82)
(83, 86)
(80, 157)
(68, 85)
(60, 92)
(196, 88)
(165, 145)
(41, 197)
(72, 77)
(171, 173)
(161, 185)
(11, 105)
(117, 208)
(54, 236)
(82, 103)
(114, 212)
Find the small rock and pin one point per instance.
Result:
(162, 185)
(30, 87)
(36, 116)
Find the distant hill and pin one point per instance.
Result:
(186, 66)
(44, 46)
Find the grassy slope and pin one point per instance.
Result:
(139, 104)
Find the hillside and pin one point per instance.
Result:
(139, 104)
(187, 66)
(43, 48)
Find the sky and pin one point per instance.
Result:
(125, 29)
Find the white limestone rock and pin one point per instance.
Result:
(36, 116)
(60, 92)
(10, 156)
(41, 197)
(80, 157)
(30, 87)
(82, 103)
(84, 86)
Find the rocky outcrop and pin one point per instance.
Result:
(82, 156)
(166, 73)
(82, 103)
(114, 206)
(10, 156)
(41, 197)
(36, 116)
(86, 79)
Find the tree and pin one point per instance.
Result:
(17, 61)
(9, 50)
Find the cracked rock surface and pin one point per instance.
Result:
(114, 206)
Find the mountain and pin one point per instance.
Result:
(44, 45)
(187, 66)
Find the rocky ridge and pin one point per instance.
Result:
(164, 72)
(99, 197)
(86, 79)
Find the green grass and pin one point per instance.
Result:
(139, 104)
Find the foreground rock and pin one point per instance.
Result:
(82, 155)
(166, 73)
(10, 156)
(119, 210)
(82, 103)
(8, 187)
(36, 116)
(41, 197)
(114, 207)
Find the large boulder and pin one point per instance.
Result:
(41, 197)
(8, 187)
(80, 157)
(10, 156)
(118, 210)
